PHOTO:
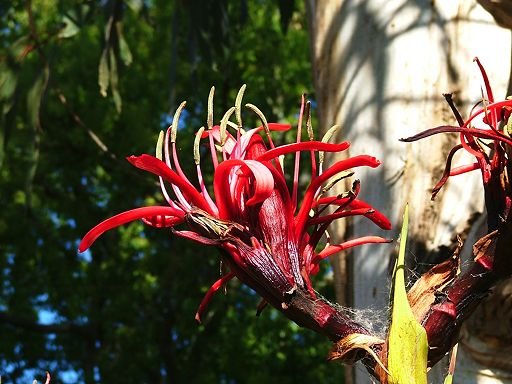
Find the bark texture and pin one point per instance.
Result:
(380, 68)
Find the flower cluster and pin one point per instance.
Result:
(269, 241)
(486, 135)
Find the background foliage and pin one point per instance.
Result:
(82, 85)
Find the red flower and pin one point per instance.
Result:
(270, 242)
(487, 127)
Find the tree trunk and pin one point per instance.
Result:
(380, 68)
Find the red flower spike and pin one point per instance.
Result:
(251, 215)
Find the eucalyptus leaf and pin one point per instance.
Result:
(103, 73)
(135, 5)
(34, 100)
(124, 49)
(8, 81)
(35, 96)
(70, 28)
(114, 81)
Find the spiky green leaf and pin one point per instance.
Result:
(408, 345)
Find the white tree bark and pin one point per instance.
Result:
(380, 68)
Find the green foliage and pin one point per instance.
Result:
(407, 341)
(124, 312)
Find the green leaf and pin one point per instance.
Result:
(104, 73)
(114, 81)
(70, 28)
(408, 345)
(8, 81)
(135, 5)
(34, 100)
(124, 49)
(35, 96)
(448, 379)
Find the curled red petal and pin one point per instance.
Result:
(338, 215)
(225, 196)
(162, 221)
(464, 169)
(487, 84)
(208, 297)
(126, 217)
(481, 133)
(446, 172)
(303, 146)
(339, 166)
(376, 216)
(159, 168)
(263, 181)
(332, 249)
(276, 127)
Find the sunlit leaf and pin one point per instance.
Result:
(70, 27)
(8, 81)
(35, 95)
(408, 345)
(34, 100)
(135, 5)
(114, 81)
(124, 49)
(103, 73)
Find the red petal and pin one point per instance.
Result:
(340, 166)
(159, 168)
(263, 181)
(481, 133)
(488, 88)
(276, 127)
(162, 221)
(376, 216)
(224, 195)
(339, 215)
(464, 169)
(332, 249)
(303, 146)
(208, 297)
(126, 217)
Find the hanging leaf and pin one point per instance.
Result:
(124, 49)
(104, 73)
(114, 81)
(407, 340)
(70, 28)
(35, 96)
(8, 84)
(135, 5)
(34, 100)
(8, 81)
